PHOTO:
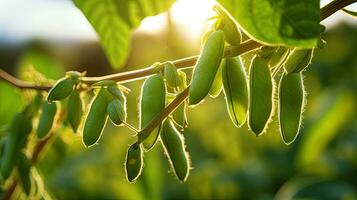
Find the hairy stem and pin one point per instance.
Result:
(131, 75)
(180, 64)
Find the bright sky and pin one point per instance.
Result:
(21, 20)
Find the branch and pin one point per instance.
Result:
(334, 6)
(20, 83)
(179, 64)
(130, 76)
(145, 132)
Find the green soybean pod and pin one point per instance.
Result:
(206, 67)
(61, 89)
(205, 36)
(236, 90)
(260, 95)
(116, 112)
(153, 101)
(183, 78)
(20, 128)
(96, 118)
(133, 162)
(24, 170)
(291, 101)
(117, 93)
(217, 84)
(230, 26)
(48, 114)
(279, 57)
(75, 110)
(179, 115)
(173, 143)
(171, 75)
(298, 60)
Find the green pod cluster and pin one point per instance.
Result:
(291, 101)
(229, 26)
(152, 102)
(133, 162)
(206, 67)
(279, 57)
(24, 170)
(171, 75)
(61, 89)
(96, 118)
(298, 60)
(74, 110)
(174, 146)
(116, 112)
(20, 128)
(217, 84)
(45, 124)
(236, 90)
(260, 95)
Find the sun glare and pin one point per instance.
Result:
(189, 14)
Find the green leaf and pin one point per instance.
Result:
(293, 23)
(114, 21)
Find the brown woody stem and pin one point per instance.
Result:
(130, 75)
(333, 7)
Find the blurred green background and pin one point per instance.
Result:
(227, 163)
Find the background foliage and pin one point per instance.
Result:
(228, 163)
